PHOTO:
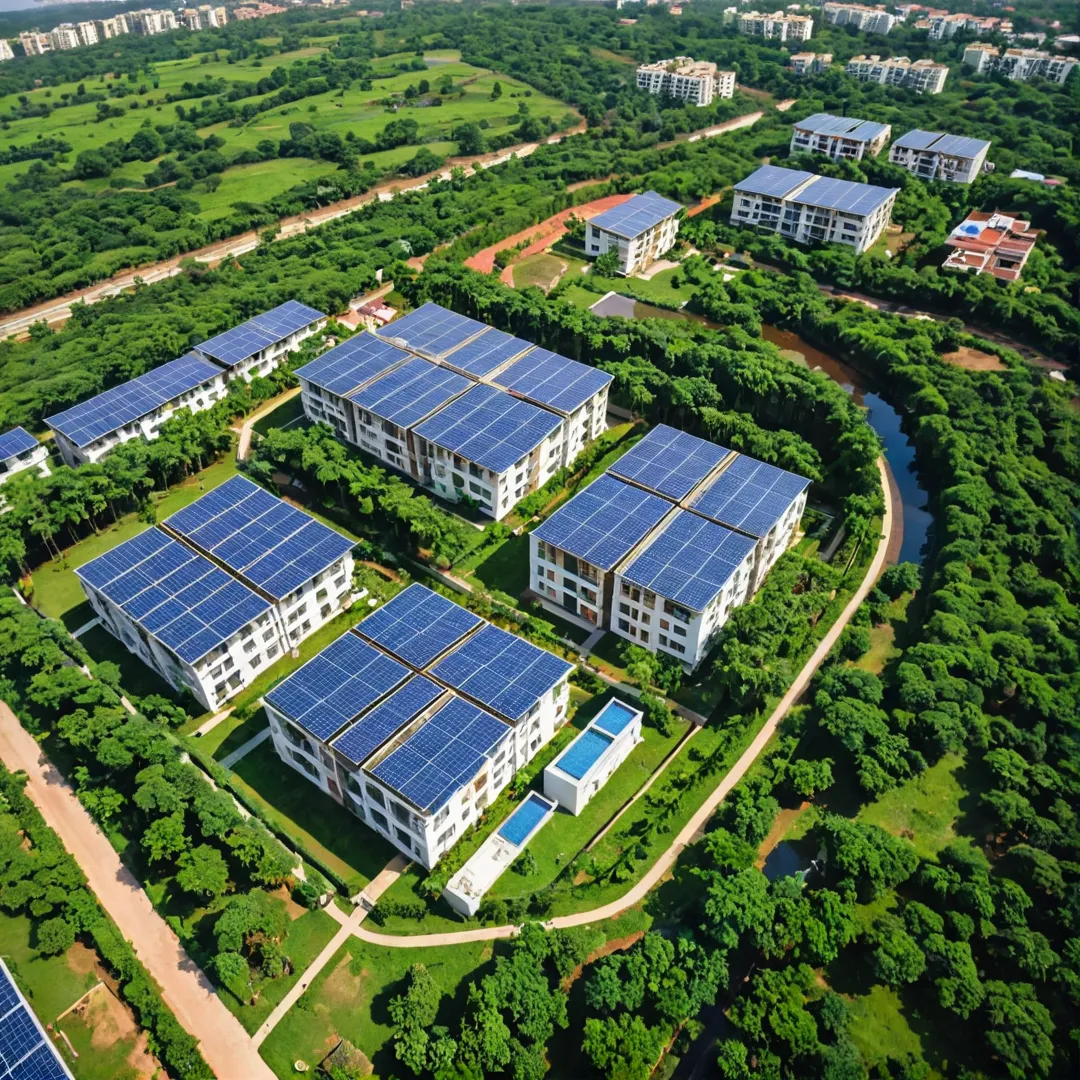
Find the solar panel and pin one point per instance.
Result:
(489, 427)
(960, 146)
(844, 195)
(26, 1052)
(351, 364)
(337, 685)
(418, 625)
(431, 330)
(442, 755)
(546, 378)
(604, 522)
(505, 673)
(242, 342)
(410, 392)
(486, 352)
(827, 124)
(917, 139)
(16, 441)
(361, 739)
(690, 561)
(271, 544)
(636, 215)
(669, 462)
(773, 181)
(114, 408)
(182, 599)
(750, 496)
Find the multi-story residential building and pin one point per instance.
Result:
(149, 21)
(808, 208)
(933, 155)
(779, 26)
(944, 25)
(980, 57)
(213, 17)
(418, 717)
(1020, 65)
(19, 450)
(922, 76)
(191, 18)
(640, 230)
(88, 34)
(34, 43)
(808, 63)
(64, 36)
(221, 589)
(839, 137)
(6, 51)
(997, 244)
(871, 20)
(116, 26)
(686, 79)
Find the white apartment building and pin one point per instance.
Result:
(191, 18)
(19, 450)
(88, 34)
(34, 43)
(779, 26)
(212, 17)
(871, 20)
(640, 231)
(686, 79)
(840, 137)
(808, 63)
(980, 57)
(1020, 65)
(149, 21)
(418, 717)
(6, 51)
(812, 209)
(112, 27)
(933, 155)
(942, 25)
(64, 36)
(922, 76)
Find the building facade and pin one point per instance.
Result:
(34, 43)
(808, 63)
(942, 25)
(19, 451)
(870, 20)
(115, 26)
(922, 76)
(839, 137)
(933, 155)
(779, 26)
(685, 79)
(639, 231)
(1020, 65)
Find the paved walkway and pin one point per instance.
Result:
(229, 760)
(86, 626)
(243, 445)
(213, 722)
(667, 860)
(186, 990)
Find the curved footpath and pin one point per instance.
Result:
(667, 860)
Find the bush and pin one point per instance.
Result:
(854, 642)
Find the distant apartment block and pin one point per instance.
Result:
(841, 137)
(116, 26)
(933, 155)
(871, 20)
(212, 17)
(639, 231)
(64, 36)
(685, 79)
(997, 244)
(149, 21)
(812, 209)
(779, 26)
(943, 25)
(922, 76)
(34, 43)
(6, 51)
(1020, 65)
(19, 450)
(808, 63)
(257, 11)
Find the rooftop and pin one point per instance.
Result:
(257, 333)
(636, 215)
(26, 1051)
(940, 143)
(410, 392)
(351, 364)
(750, 496)
(846, 196)
(669, 462)
(486, 352)
(431, 330)
(848, 126)
(557, 382)
(16, 441)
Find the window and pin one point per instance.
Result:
(680, 631)
(375, 795)
(645, 635)
(624, 609)
(624, 626)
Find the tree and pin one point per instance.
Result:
(413, 1014)
(1019, 1029)
(606, 265)
(622, 1048)
(165, 837)
(55, 936)
(808, 776)
(496, 90)
(898, 958)
(470, 139)
(203, 871)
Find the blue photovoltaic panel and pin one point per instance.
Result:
(26, 1052)
(669, 462)
(431, 330)
(546, 378)
(750, 496)
(190, 605)
(270, 543)
(410, 392)
(636, 215)
(489, 427)
(242, 342)
(351, 364)
(960, 146)
(336, 685)
(287, 318)
(690, 561)
(826, 124)
(917, 139)
(844, 195)
(112, 409)
(614, 717)
(506, 673)
(442, 755)
(16, 441)
(603, 523)
(773, 181)
(584, 752)
(523, 822)
(485, 353)
(361, 739)
(418, 625)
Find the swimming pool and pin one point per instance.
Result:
(584, 753)
(614, 717)
(519, 825)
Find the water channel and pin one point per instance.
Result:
(881, 416)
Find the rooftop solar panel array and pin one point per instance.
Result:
(352, 363)
(604, 522)
(917, 139)
(846, 196)
(636, 215)
(773, 181)
(182, 599)
(690, 561)
(361, 739)
(669, 462)
(242, 342)
(270, 543)
(336, 685)
(487, 352)
(503, 672)
(418, 625)
(410, 392)
(431, 330)
(750, 496)
(546, 378)
(25, 1051)
(16, 441)
(112, 409)
(827, 124)
(960, 146)
(489, 427)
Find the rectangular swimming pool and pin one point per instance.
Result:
(584, 753)
(520, 824)
(614, 717)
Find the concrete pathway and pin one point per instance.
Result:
(86, 626)
(666, 861)
(186, 990)
(212, 723)
(243, 444)
(591, 641)
(229, 760)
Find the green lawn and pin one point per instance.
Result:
(285, 415)
(879, 1028)
(540, 270)
(136, 677)
(231, 733)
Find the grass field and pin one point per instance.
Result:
(541, 270)
(879, 1028)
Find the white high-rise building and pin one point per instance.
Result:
(871, 20)
(112, 27)
(88, 34)
(686, 79)
(6, 51)
(922, 76)
(779, 26)
(212, 17)
(191, 19)
(808, 63)
(933, 155)
(35, 43)
(64, 36)
(1020, 65)
(839, 137)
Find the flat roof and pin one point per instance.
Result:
(486, 352)
(669, 462)
(352, 363)
(16, 441)
(431, 330)
(846, 196)
(848, 126)
(240, 343)
(940, 143)
(547, 378)
(774, 181)
(409, 392)
(749, 495)
(636, 215)
(365, 735)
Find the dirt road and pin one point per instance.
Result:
(226, 1046)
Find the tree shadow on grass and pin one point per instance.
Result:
(507, 567)
(852, 972)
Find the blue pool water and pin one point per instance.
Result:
(517, 827)
(584, 753)
(614, 717)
